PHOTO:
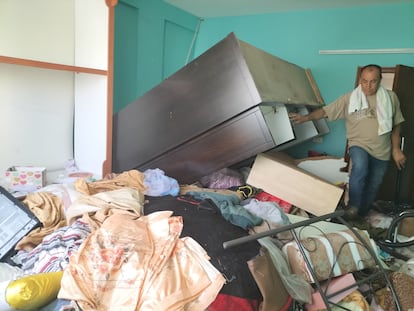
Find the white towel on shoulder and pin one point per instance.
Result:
(358, 101)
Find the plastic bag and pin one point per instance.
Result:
(158, 184)
(223, 179)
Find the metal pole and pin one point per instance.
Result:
(259, 235)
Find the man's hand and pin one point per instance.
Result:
(297, 118)
(399, 158)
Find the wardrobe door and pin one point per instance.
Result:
(403, 87)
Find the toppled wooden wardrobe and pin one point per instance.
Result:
(224, 107)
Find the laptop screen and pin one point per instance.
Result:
(16, 221)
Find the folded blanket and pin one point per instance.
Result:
(358, 101)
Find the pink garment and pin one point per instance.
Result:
(139, 263)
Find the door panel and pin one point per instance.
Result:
(398, 186)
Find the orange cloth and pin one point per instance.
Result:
(358, 299)
(48, 208)
(139, 263)
(132, 179)
(128, 199)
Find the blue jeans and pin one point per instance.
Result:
(365, 179)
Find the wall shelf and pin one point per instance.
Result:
(46, 65)
(53, 71)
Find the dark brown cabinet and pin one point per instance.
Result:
(211, 113)
(398, 186)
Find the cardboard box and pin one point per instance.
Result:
(278, 175)
(25, 178)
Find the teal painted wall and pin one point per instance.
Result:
(152, 41)
(298, 36)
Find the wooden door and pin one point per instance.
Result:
(398, 186)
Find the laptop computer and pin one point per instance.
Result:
(16, 221)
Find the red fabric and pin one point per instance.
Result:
(264, 196)
(286, 307)
(225, 302)
(313, 153)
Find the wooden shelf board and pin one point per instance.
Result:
(53, 66)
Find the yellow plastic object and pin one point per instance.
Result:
(34, 291)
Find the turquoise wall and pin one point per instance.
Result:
(298, 36)
(152, 41)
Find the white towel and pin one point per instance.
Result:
(358, 101)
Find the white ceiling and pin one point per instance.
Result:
(217, 8)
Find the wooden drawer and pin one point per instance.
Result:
(227, 144)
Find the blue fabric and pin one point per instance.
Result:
(230, 208)
(57, 305)
(365, 179)
(158, 184)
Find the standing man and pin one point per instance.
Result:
(373, 125)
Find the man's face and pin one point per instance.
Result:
(370, 81)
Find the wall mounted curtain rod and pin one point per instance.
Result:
(368, 51)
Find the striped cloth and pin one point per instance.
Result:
(53, 253)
